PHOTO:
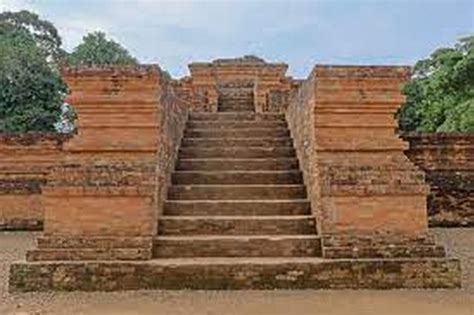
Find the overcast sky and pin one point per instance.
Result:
(300, 33)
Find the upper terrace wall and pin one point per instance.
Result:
(206, 79)
(448, 161)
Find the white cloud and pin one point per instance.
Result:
(16, 5)
(175, 32)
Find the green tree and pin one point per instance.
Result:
(96, 49)
(31, 89)
(440, 95)
(43, 32)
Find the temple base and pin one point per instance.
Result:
(236, 274)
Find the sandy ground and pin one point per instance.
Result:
(460, 243)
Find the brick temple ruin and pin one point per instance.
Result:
(236, 177)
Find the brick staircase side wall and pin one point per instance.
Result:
(360, 183)
(175, 112)
(103, 200)
(448, 161)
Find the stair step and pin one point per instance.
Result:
(237, 207)
(236, 104)
(236, 101)
(236, 124)
(238, 273)
(237, 164)
(237, 133)
(236, 108)
(236, 177)
(236, 152)
(236, 95)
(236, 98)
(237, 246)
(237, 116)
(55, 254)
(231, 99)
(237, 142)
(236, 225)
(236, 192)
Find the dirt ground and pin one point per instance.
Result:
(460, 243)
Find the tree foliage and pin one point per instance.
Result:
(440, 95)
(96, 49)
(31, 90)
(46, 36)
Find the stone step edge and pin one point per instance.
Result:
(240, 159)
(261, 129)
(241, 186)
(206, 125)
(242, 121)
(239, 147)
(234, 172)
(236, 245)
(255, 273)
(279, 115)
(239, 238)
(235, 217)
(296, 200)
(244, 260)
(279, 138)
(85, 253)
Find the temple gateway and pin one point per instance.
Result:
(235, 177)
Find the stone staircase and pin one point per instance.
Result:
(237, 191)
(235, 99)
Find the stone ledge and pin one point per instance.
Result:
(72, 191)
(32, 138)
(21, 186)
(133, 71)
(387, 251)
(21, 225)
(92, 254)
(381, 246)
(103, 242)
(236, 274)
(366, 72)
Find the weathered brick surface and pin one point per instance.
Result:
(448, 161)
(173, 117)
(381, 245)
(118, 113)
(104, 196)
(222, 274)
(25, 160)
(85, 212)
(358, 179)
(116, 169)
(207, 80)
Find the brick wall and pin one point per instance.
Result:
(359, 181)
(264, 77)
(448, 160)
(103, 200)
(200, 98)
(25, 160)
(174, 114)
